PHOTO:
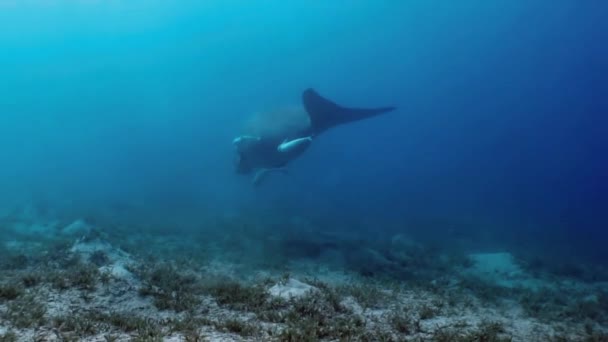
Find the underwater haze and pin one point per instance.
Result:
(123, 113)
(500, 124)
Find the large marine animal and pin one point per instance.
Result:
(272, 139)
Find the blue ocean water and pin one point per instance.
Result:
(475, 211)
(499, 136)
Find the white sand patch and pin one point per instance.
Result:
(87, 248)
(292, 288)
(495, 263)
(352, 304)
(469, 317)
(117, 271)
(118, 260)
(503, 270)
(62, 303)
(78, 227)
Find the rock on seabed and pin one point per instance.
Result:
(293, 288)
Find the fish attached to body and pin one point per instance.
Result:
(291, 145)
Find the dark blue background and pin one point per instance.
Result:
(500, 131)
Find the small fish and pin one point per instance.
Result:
(289, 145)
(238, 140)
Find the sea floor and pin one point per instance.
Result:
(83, 280)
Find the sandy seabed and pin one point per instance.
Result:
(77, 281)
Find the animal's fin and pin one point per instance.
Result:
(325, 114)
(261, 174)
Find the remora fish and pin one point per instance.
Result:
(291, 145)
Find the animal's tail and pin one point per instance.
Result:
(325, 114)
